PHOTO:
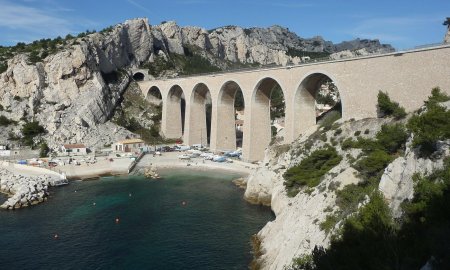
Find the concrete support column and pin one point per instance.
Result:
(257, 133)
(223, 135)
(304, 112)
(196, 130)
(171, 122)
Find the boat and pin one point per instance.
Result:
(184, 156)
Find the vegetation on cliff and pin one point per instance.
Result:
(369, 237)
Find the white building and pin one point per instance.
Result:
(129, 145)
(74, 149)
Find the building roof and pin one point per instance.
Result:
(239, 122)
(130, 141)
(73, 146)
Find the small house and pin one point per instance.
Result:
(129, 145)
(74, 149)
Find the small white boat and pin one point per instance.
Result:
(184, 156)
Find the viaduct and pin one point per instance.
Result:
(407, 76)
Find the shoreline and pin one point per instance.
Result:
(170, 160)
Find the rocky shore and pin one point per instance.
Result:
(24, 190)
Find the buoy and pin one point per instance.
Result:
(129, 194)
(56, 236)
(75, 191)
(117, 220)
(183, 203)
(94, 204)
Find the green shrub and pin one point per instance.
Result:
(329, 223)
(43, 150)
(329, 119)
(31, 130)
(17, 98)
(1, 108)
(432, 125)
(348, 143)
(338, 132)
(4, 121)
(392, 137)
(373, 164)
(311, 169)
(388, 107)
(367, 131)
(357, 133)
(436, 97)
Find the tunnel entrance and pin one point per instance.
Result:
(138, 76)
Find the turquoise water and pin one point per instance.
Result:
(188, 220)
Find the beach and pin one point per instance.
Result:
(169, 160)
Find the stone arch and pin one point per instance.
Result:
(260, 120)
(174, 113)
(199, 124)
(227, 133)
(138, 76)
(154, 95)
(304, 102)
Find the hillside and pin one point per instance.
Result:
(72, 86)
(360, 194)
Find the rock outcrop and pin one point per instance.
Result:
(296, 229)
(24, 190)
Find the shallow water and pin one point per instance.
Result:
(189, 220)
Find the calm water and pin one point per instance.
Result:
(212, 230)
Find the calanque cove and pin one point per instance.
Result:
(347, 192)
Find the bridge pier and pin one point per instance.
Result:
(196, 131)
(172, 120)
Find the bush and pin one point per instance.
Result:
(329, 223)
(43, 150)
(389, 108)
(31, 130)
(392, 137)
(4, 121)
(357, 133)
(373, 165)
(311, 169)
(432, 125)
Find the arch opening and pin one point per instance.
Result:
(154, 96)
(267, 117)
(174, 113)
(138, 76)
(230, 111)
(317, 101)
(200, 115)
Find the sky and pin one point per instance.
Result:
(403, 24)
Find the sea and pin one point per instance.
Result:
(186, 220)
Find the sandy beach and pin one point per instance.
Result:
(103, 166)
(170, 160)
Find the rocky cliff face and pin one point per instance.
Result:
(75, 91)
(297, 227)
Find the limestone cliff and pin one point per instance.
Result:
(74, 90)
(297, 227)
